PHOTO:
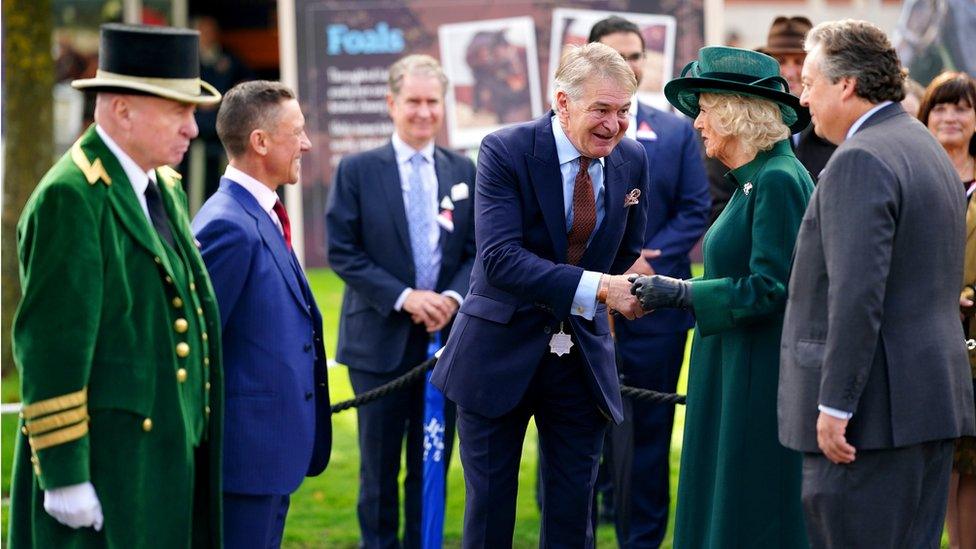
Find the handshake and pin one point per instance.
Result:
(660, 292)
(634, 295)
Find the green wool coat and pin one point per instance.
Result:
(738, 486)
(117, 339)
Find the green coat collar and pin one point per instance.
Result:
(746, 173)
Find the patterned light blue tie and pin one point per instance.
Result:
(420, 219)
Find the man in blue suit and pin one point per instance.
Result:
(560, 214)
(277, 426)
(401, 236)
(652, 348)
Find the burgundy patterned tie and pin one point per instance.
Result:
(279, 209)
(584, 212)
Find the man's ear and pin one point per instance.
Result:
(258, 140)
(562, 103)
(849, 89)
(122, 110)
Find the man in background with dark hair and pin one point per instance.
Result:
(874, 377)
(278, 425)
(651, 349)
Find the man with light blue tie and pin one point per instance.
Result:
(401, 236)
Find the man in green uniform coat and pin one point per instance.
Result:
(117, 336)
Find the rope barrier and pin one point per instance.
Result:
(420, 370)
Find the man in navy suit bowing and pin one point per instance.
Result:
(560, 210)
(277, 426)
(401, 236)
(652, 348)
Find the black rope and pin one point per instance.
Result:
(420, 370)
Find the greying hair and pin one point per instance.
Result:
(417, 65)
(862, 51)
(756, 123)
(249, 106)
(584, 63)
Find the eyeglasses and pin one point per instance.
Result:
(634, 57)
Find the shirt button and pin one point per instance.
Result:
(181, 325)
(182, 350)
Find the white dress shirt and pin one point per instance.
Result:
(137, 178)
(262, 193)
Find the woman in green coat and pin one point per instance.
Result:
(738, 486)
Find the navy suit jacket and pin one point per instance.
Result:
(521, 285)
(369, 248)
(277, 426)
(677, 207)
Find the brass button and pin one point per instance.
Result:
(193, 287)
(23, 430)
(181, 375)
(168, 279)
(206, 361)
(157, 260)
(207, 385)
(204, 336)
(200, 311)
(181, 325)
(177, 302)
(147, 425)
(206, 410)
(182, 350)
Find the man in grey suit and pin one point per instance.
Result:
(872, 337)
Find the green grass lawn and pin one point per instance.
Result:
(323, 511)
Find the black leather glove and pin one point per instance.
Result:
(661, 292)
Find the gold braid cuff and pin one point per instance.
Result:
(60, 436)
(56, 421)
(56, 404)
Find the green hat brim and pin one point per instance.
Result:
(683, 94)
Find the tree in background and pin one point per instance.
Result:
(28, 127)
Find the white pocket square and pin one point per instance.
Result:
(459, 192)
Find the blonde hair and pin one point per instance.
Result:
(756, 123)
(593, 60)
(417, 65)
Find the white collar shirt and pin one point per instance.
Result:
(265, 197)
(137, 178)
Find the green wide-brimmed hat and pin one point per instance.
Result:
(736, 71)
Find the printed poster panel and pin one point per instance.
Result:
(344, 48)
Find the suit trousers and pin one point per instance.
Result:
(254, 521)
(648, 361)
(884, 499)
(384, 426)
(571, 430)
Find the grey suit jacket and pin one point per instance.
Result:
(872, 319)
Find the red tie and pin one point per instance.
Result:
(584, 212)
(279, 209)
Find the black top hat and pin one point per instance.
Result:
(721, 69)
(163, 61)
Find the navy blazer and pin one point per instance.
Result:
(678, 207)
(277, 426)
(521, 285)
(369, 248)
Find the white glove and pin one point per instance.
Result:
(75, 506)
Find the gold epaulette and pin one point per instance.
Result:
(93, 171)
(170, 176)
(56, 420)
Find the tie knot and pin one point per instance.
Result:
(585, 163)
(417, 160)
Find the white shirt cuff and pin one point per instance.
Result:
(584, 302)
(453, 295)
(398, 304)
(834, 412)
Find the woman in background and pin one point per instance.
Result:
(948, 109)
